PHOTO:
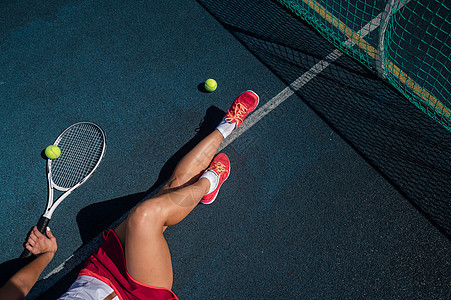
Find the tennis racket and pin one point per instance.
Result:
(82, 149)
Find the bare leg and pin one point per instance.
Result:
(192, 165)
(147, 254)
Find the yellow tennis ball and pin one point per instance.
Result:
(52, 152)
(211, 85)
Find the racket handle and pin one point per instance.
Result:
(41, 226)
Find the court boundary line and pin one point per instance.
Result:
(81, 254)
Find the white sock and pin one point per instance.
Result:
(226, 128)
(213, 178)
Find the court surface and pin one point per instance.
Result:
(333, 179)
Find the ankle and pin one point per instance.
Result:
(204, 184)
(226, 128)
(212, 178)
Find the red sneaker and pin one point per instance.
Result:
(241, 108)
(221, 168)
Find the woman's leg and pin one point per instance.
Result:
(194, 163)
(147, 254)
(142, 232)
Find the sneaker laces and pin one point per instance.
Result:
(236, 113)
(218, 167)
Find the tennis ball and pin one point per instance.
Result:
(52, 152)
(211, 85)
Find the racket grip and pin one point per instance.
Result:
(41, 226)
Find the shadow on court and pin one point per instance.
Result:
(405, 145)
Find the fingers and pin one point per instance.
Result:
(33, 236)
(38, 243)
(33, 239)
(54, 245)
(49, 233)
(30, 248)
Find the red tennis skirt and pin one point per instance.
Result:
(108, 265)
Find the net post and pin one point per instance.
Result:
(380, 47)
(391, 7)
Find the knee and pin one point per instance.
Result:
(174, 182)
(182, 180)
(147, 215)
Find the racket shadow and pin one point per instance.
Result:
(108, 212)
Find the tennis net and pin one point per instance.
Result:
(405, 42)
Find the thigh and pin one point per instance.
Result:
(147, 255)
(146, 252)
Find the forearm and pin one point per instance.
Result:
(21, 283)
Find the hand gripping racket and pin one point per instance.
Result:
(82, 149)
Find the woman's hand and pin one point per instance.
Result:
(39, 244)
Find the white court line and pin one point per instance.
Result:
(82, 253)
(252, 119)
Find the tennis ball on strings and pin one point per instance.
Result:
(211, 85)
(52, 152)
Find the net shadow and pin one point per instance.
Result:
(407, 147)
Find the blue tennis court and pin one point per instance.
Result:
(334, 178)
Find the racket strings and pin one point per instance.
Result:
(81, 150)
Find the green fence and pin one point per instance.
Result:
(407, 42)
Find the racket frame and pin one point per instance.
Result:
(50, 208)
